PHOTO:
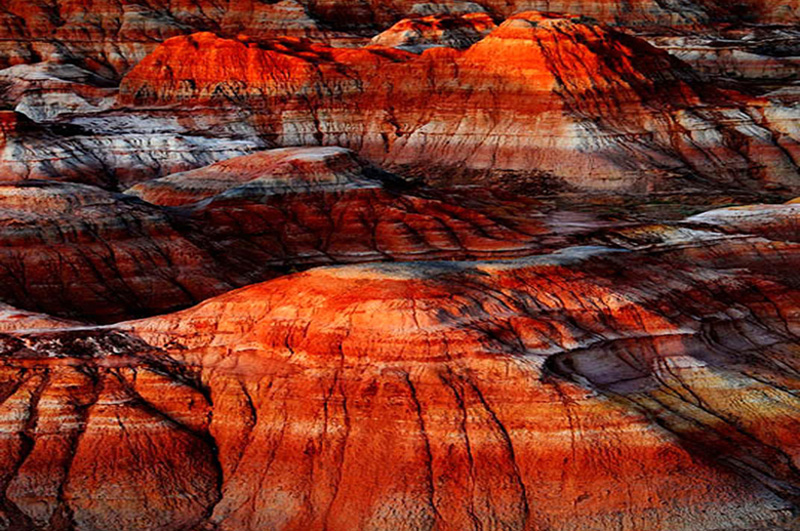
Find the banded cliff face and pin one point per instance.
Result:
(590, 388)
(541, 99)
(79, 251)
(646, 14)
(113, 151)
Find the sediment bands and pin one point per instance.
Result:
(543, 98)
(588, 388)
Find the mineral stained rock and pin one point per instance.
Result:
(109, 37)
(591, 388)
(126, 150)
(542, 99)
(80, 251)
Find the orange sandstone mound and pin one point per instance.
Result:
(109, 37)
(591, 388)
(542, 99)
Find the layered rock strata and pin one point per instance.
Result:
(79, 251)
(590, 388)
(573, 105)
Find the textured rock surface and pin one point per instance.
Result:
(591, 388)
(516, 353)
(79, 251)
(572, 102)
(47, 90)
(270, 172)
(417, 34)
(110, 36)
(768, 54)
(113, 151)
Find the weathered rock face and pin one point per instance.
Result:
(79, 251)
(270, 172)
(503, 362)
(418, 34)
(593, 388)
(113, 151)
(16, 320)
(297, 207)
(571, 102)
(768, 54)
(47, 90)
(637, 14)
(110, 37)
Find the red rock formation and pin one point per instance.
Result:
(637, 14)
(16, 320)
(762, 53)
(110, 37)
(297, 207)
(570, 101)
(270, 172)
(113, 151)
(47, 90)
(588, 389)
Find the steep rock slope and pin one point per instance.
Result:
(570, 102)
(590, 388)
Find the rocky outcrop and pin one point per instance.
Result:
(572, 103)
(14, 320)
(639, 14)
(110, 37)
(265, 173)
(418, 34)
(767, 54)
(47, 90)
(592, 388)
